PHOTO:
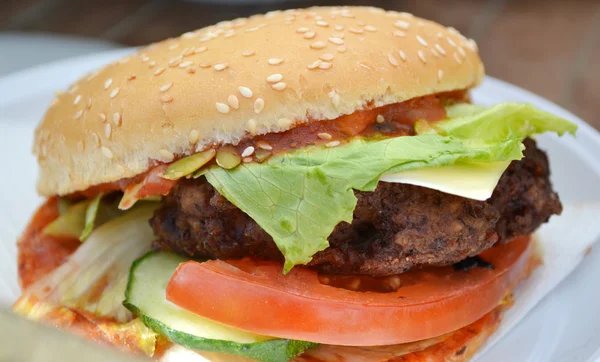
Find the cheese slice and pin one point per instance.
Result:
(474, 180)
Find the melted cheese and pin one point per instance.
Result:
(473, 181)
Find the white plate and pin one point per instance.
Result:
(565, 326)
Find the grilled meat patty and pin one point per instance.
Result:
(396, 227)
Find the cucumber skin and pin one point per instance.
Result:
(276, 350)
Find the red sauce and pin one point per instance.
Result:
(38, 253)
(399, 119)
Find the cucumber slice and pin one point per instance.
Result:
(145, 297)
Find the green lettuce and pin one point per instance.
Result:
(299, 197)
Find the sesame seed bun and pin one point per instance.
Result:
(233, 80)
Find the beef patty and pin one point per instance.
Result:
(394, 228)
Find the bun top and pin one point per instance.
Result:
(235, 79)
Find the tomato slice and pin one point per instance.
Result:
(153, 183)
(257, 297)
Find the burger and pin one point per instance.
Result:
(305, 185)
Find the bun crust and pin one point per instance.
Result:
(239, 78)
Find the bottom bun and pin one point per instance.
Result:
(39, 255)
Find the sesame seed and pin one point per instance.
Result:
(393, 60)
(191, 70)
(325, 65)
(245, 92)
(252, 125)
(131, 77)
(107, 152)
(440, 49)
(314, 64)
(248, 53)
(318, 45)
(322, 23)
(259, 105)
(187, 52)
(144, 58)
(200, 50)
(462, 51)
(332, 144)
(247, 159)
(159, 71)
(422, 41)
(117, 118)
(471, 44)
(78, 114)
(457, 57)
(151, 64)
(370, 28)
(114, 92)
(339, 27)
(302, 30)
(89, 103)
(324, 136)
(107, 130)
(175, 61)
(222, 108)
(108, 83)
(174, 46)
(309, 34)
(356, 30)
(275, 61)
(284, 123)
(166, 87)
(402, 55)
(274, 78)
(380, 118)
(233, 101)
(102, 117)
(402, 24)
(264, 145)
(96, 139)
(185, 64)
(219, 67)
(451, 42)
(77, 99)
(400, 33)
(248, 151)
(342, 48)
(167, 155)
(204, 65)
(336, 41)
(279, 86)
(440, 74)
(193, 136)
(73, 89)
(327, 57)
(453, 31)
(422, 56)
(229, 33)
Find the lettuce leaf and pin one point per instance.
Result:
(90, 217)
(299, 197)
(95, 276)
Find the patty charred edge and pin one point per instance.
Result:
(395, 228)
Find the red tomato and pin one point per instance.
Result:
(257, 297)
